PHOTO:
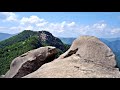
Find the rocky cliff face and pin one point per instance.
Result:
(47, 38)
(87, 57)
(30, 61)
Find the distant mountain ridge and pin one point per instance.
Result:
(112, 39)
(68, 40)
(4, 36)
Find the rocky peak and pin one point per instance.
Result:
(91, 48)
(87, 57)
(47, 38)
(44, 35)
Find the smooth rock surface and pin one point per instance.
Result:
(87, 57)
(30, 61)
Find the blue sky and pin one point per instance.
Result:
(63, 24)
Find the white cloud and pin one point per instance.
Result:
(67, 28)
(31, 20)
(13, 27)
(94, 29)
(71, 24)
(29, 28)
(41, 24)
(8, 30)
(36, 23)
(21, 28)
(62, 27)
(99, 26)
(84, 29)
(1, 27)
(115, 31)
(9, 16)
(56, 27)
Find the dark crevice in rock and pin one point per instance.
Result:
(78, 55)
(116, 66)
(109, 55)
(76, 67)
(31, 66)
(86, 70)
(71, 53)
(23, 55)
(88, 61)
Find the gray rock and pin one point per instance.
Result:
(91, 48)
(87, 57)
(2, 76)
(30, 61)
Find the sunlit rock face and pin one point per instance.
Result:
(30, 61)
(87, 57)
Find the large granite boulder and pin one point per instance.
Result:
(87, 57)
(30, 61)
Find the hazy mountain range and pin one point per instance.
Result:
(4, 36)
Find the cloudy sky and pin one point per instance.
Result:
(63, 24)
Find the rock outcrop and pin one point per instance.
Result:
(2, 76)
(30, 61)
(46, 38)
(87, 57)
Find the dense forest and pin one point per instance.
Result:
(23, 42)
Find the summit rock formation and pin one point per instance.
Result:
(88, 57)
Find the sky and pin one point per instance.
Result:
(63, 24)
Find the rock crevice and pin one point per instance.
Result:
(71, 53)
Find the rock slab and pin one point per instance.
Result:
(30, 61)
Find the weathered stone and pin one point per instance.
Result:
(87, 57)
(30, 61)
(2, 76)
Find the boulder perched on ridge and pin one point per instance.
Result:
(30, 61)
